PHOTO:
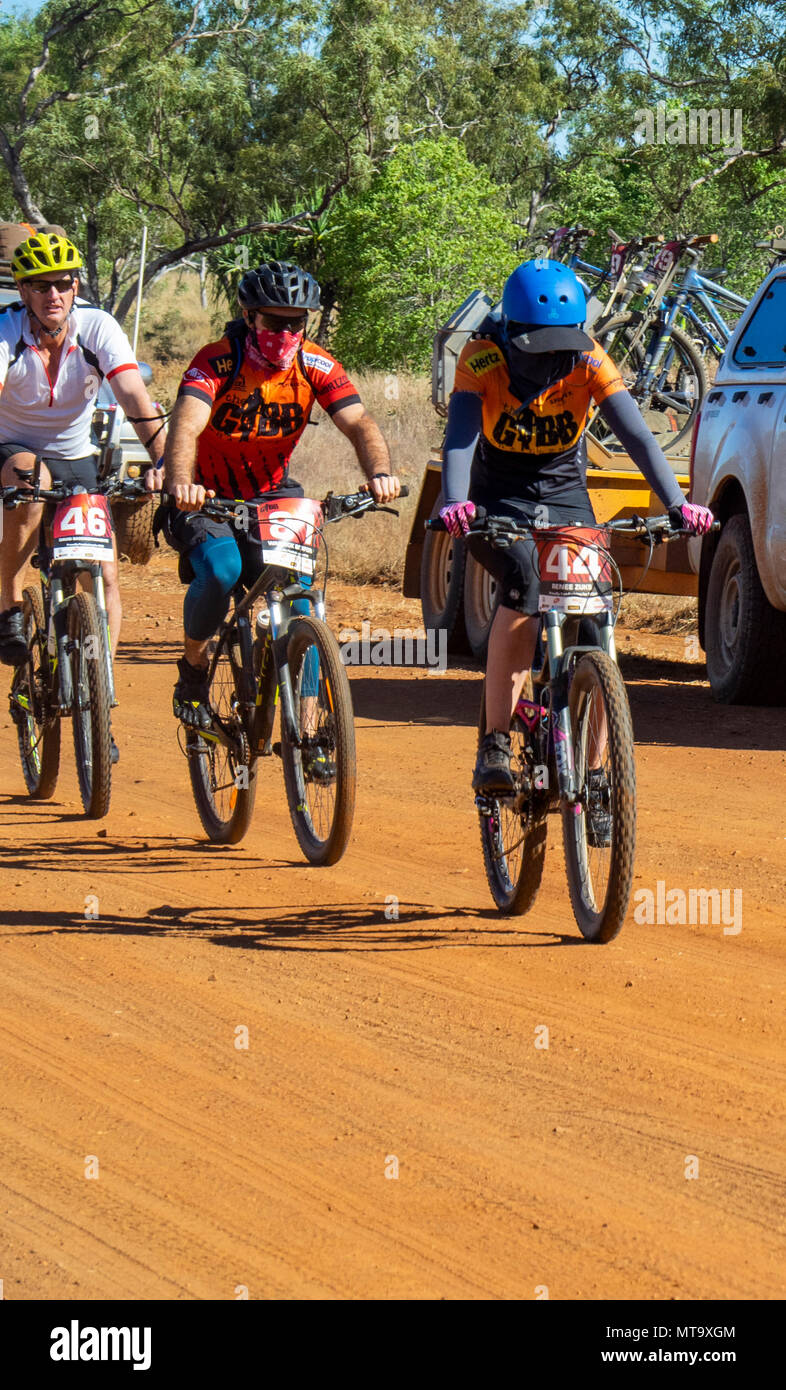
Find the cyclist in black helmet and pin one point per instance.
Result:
(242, 406)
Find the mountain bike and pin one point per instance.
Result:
(659, 362)
(282, 661)
(68, 671)
(572, 746)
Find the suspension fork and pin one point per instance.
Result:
(561, 731)
(279, 638)
(99, 593)
(57, 642)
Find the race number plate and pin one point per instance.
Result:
(82, 528)
(557, 239)
(666, 257)
(618, 255)
(289, 532)
(575, 570)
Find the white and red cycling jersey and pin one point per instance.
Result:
(54, 417)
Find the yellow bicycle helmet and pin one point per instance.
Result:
(43, 253)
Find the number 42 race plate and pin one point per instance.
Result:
(82, 528)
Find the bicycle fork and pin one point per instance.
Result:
(58, 644)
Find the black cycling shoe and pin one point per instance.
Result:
(493, 776)
(114, 751)
(598, 809)
(191, 697)
(13, 646)
(318, 766)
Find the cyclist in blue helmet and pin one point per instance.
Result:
(515, 445)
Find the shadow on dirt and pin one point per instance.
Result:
(330, 927)
(154, 652)
(119, 854)
(675, 713)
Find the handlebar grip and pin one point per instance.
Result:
(707, 240)
(404, 490)
(435, 523)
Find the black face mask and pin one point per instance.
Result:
(539, 369)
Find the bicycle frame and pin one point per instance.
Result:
(275, 649)
(58, 586)
(696, 289)
(555, 732)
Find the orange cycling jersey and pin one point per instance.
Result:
(259, 413)
(541, 441)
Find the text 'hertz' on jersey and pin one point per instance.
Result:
(540, 448)
(255, 424)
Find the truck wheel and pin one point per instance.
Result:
(442, 584)
(134, 529)
(480, 605)
(745, 635)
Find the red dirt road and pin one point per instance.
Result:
(378, 1044)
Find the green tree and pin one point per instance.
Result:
(430, 228)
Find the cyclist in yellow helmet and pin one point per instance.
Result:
(54, 352)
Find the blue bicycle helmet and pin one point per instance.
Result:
(543, 306)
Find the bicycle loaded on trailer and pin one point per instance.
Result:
(572, 744)
(285, 661)
(68, 670)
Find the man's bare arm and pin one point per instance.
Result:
(189, 418)
(366, 438)
(131, 394)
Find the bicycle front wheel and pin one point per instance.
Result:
(671, 404)
(91, 705)
(224, 782)
(599, 832)
(513, 829)
(319, 775)
(37, 724)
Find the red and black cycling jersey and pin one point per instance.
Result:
(258, 419)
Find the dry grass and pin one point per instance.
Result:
(660, 613)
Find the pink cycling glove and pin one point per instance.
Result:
(696, 519)
(457, 517)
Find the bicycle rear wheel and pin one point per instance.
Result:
(37, 727)
(224, 783)
(671, 405)
(320, 776)
(599, 832)
(92, 703)
(513, 830)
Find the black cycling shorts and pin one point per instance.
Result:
(186, 530)
(82, 472)
(516, 568)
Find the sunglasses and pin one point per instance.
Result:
(279, 323)
(44, 286)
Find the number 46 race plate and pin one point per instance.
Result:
(82, 528)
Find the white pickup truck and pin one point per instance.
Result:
(738, 468)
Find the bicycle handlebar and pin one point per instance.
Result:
(59, 491)
(505, 528)
(334, 506)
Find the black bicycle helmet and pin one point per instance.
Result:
(278, 284)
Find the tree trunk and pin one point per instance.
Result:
(31, 212)
(329, 292)
(91, 258)
(203, 282)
